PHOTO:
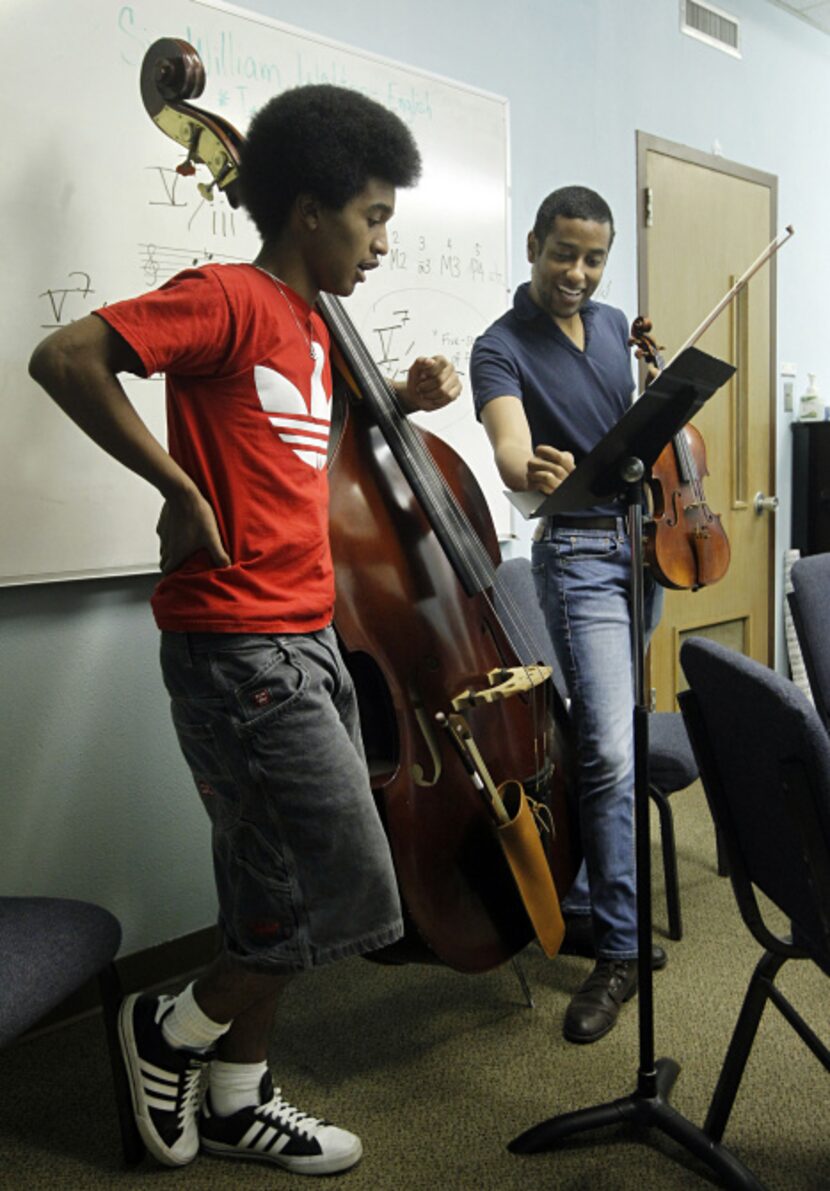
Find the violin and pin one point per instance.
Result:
(454, 723)
(684, 543)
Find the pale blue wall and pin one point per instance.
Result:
(96, 802)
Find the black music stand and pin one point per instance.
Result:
(616, 465)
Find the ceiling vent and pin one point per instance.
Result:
(712, 25)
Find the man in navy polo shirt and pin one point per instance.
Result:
(550, 378)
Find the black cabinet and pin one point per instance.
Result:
(811, 487)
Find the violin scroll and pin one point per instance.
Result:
(647, 348)
(172, 73)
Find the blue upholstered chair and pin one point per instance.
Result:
(51, 948)
(672, 765)
(810, 606)
(764, 758)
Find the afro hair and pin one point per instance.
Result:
(322, 140)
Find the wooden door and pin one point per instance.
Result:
(703, 221)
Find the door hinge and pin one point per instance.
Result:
(648, 206)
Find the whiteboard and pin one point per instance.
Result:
(93, 211)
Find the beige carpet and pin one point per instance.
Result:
(437, 1072)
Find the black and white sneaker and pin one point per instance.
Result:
(274, 1131)
(165, 1083)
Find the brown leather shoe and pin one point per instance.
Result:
(595, 1005)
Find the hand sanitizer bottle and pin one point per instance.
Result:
(809, 407)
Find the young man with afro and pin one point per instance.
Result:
(257, 686)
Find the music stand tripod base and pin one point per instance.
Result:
(616, 465)
(642, 1110)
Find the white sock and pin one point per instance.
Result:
(188, 1028)
(234, 1085)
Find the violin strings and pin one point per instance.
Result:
(688, 468)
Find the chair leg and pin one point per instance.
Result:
(743, 1036)
(723, 861)
(111, 993)
(667, 839)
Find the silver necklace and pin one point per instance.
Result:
(307, 336)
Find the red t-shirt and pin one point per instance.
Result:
(248, 414)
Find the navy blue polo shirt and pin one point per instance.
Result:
(572, 398)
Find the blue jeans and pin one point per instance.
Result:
(583, 582)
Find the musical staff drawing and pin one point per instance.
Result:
(160, 262)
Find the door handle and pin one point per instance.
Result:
(764, 504)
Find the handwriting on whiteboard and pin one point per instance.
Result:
(63, 302)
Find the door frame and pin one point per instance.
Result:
(646, 142)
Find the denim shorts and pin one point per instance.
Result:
(269, 727)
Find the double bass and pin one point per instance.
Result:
(450, 707)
